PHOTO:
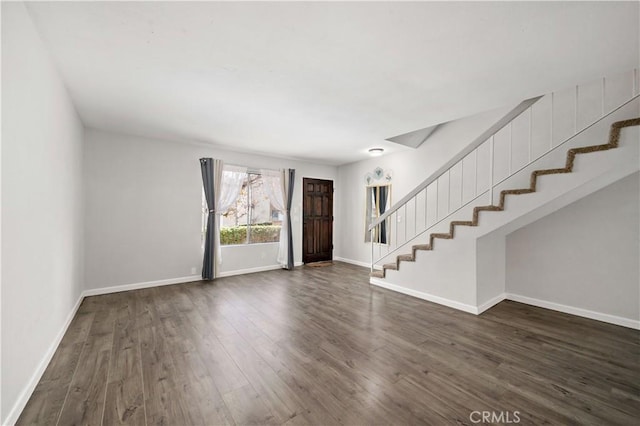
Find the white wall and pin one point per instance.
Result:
(42, 230)
(143, 209)
(409, 168)
(446, 275)
(490, 267)
(584, 255)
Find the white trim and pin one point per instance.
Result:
(357, 263)
(24, 396)
(249, 270)
(425, 296)
(491, 303)
(247, 244)
(353, 262)
(585, 313)
(180, 280)
(136, 286)
(256, 269)
(598, 316)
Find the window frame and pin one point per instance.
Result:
(249, 215)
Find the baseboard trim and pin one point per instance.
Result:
(491, 303)
(357, 263)
(598, 316)
(425, 296)
(249, 270)
(585, 313)
(26, 393)
(353, 262)
(137, 286)
(171, 281)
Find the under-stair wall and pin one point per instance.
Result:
(552, 275)
(582, 259)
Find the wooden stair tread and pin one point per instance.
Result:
(517, 191)
(406, 257)
(462, 223)
(490, 208)
(551, 171)
(442, 236)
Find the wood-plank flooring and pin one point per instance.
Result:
(320, 346)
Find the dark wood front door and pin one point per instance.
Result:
(317, 211)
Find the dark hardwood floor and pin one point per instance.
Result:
(320, 346)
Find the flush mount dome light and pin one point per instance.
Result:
(376, 152)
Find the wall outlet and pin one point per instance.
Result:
(193, 270)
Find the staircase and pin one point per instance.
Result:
(614, 138)
(501, 173)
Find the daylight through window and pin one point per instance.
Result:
(252, 219)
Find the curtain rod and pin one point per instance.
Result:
(253, 170)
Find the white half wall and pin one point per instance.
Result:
(143, 209)
(42, 209)
(447, 273)
(585, 255)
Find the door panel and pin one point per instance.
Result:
(318, 220)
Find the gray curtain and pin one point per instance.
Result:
(382, 207)
(292, 175)
(208, 263)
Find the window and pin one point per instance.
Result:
(252, 219)
(377, 202)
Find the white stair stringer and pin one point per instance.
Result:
(458, 274)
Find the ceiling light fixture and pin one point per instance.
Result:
(376, 152)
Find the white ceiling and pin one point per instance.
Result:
(321, 81)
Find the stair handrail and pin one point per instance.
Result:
(499, 125)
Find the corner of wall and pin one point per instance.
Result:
(490, 269)
(41, 131)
